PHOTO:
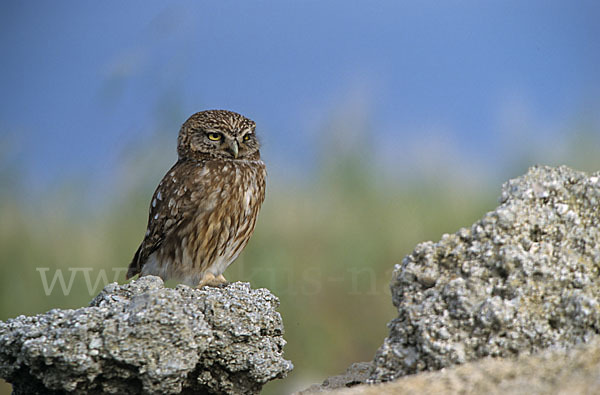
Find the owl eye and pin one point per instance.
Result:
(214, 136)
(247, 137)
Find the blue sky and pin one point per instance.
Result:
(83, 80)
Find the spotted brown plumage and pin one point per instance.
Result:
(204, 210)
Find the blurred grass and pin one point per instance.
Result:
(326, 247)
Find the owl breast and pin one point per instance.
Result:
(220, 207)
(234, 221)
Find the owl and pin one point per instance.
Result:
(203, 212)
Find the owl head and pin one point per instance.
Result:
(218, 134)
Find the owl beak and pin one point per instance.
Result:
(234, 147)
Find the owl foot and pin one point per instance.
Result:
(210, 280)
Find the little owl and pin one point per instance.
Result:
(204, 210)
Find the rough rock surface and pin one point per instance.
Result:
(144, 338)
(357, 373)
(573, 371)
(522, 279)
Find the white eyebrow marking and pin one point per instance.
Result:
(211, 130)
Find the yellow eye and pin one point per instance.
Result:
(247, 137)
(214, 136)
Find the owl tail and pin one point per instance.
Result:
(134, 266)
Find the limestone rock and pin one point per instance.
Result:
(144, 338)
(524, 278)
(357, 373)
(555, 371)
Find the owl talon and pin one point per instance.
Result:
(210, 280)
(223, 280)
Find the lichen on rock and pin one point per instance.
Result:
(144, 338)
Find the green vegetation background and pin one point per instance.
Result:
(326, 242)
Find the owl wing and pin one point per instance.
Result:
(178, 191)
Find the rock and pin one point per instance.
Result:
(573, 371)
(523, 279)
(357, 373)
(143, 338)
